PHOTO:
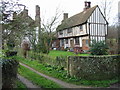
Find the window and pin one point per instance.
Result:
(62, 42)
(66, 40)
(81, 27)
(87, 42)
(69, 30)
(60, 32)
(77, 41)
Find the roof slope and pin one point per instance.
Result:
(77, 19)
(26, 18)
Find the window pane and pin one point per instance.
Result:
(77, 41)
(66, 41)
(60, 32)
(81, 27)
(69, 30)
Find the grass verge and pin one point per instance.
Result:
(62, 74)
(37, 79)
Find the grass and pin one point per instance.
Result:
(20, 85)
(62, 74)
(54, 53)
(37, 79)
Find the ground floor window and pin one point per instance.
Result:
(87, 42)
(62, 42)
(66, 41)
(77, 40)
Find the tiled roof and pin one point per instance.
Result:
(77, 19)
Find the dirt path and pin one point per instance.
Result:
(63, 84)
(27, 83)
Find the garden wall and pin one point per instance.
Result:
(9, 72)
(94, 67)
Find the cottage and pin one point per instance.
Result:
(80, 29)
(30, 23)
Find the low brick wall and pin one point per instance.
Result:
(94, 67)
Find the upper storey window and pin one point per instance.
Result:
(69, 30)
(60, 32)
(81, 27)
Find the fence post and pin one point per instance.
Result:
(68, 64)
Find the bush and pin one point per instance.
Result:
(11, 44)
(61, 61)
(98, 48)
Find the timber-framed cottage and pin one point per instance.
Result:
(80, 29)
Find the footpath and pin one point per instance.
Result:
(26, 82)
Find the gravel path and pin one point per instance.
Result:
(63, 84)
(27, 83)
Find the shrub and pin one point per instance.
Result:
(61, 61)
(98, 48)
(11, 44)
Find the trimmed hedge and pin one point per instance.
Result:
(94, 67)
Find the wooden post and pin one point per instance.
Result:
(68, 64)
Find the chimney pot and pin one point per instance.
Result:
(87, 5)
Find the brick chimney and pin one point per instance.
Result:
(37, 16)
(38, 22)
(87, 5)
(65, 16)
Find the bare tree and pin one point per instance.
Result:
(17, 26)
(106, 6)
(7, 8)
(51, 26)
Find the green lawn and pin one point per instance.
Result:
(54, 53)
(37, 79)
(62, 74)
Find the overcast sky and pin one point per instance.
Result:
(72, 7)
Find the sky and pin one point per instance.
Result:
(72, 7)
